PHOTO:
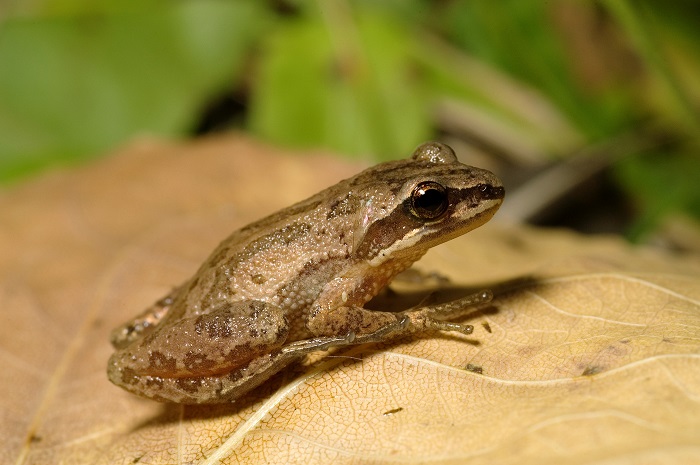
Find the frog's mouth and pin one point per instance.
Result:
(428, 235)
(458, 224)
(401, 233)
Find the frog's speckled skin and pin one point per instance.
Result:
(297, 281)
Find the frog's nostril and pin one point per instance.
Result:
(489, 192)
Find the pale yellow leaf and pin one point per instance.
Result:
(589, 353)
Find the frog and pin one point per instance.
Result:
(297, 282)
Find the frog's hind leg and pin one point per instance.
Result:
(221, 388)
(231, 386)
(228, 386)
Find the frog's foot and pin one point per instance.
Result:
(432, 317)
(144, 323)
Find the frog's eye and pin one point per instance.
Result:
(429, 201)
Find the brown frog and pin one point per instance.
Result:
(296, 281)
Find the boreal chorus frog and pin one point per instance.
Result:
(297, 281)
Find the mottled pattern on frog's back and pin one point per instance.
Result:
(288, 257)
(297, 281)
(257, 262)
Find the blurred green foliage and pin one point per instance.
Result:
(368, 77)
(76, 83)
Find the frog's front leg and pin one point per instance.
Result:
(374, 326)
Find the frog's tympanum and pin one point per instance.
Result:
(297, 281)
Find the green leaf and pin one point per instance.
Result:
(76, 86)
(525, 41)
(662, 183)
(340, 81)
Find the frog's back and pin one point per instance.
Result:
(262, 259)
(288, 257)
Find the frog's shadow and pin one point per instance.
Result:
(386, 301)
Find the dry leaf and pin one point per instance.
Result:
(590, 352)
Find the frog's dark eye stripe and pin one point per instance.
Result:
(428, 201)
